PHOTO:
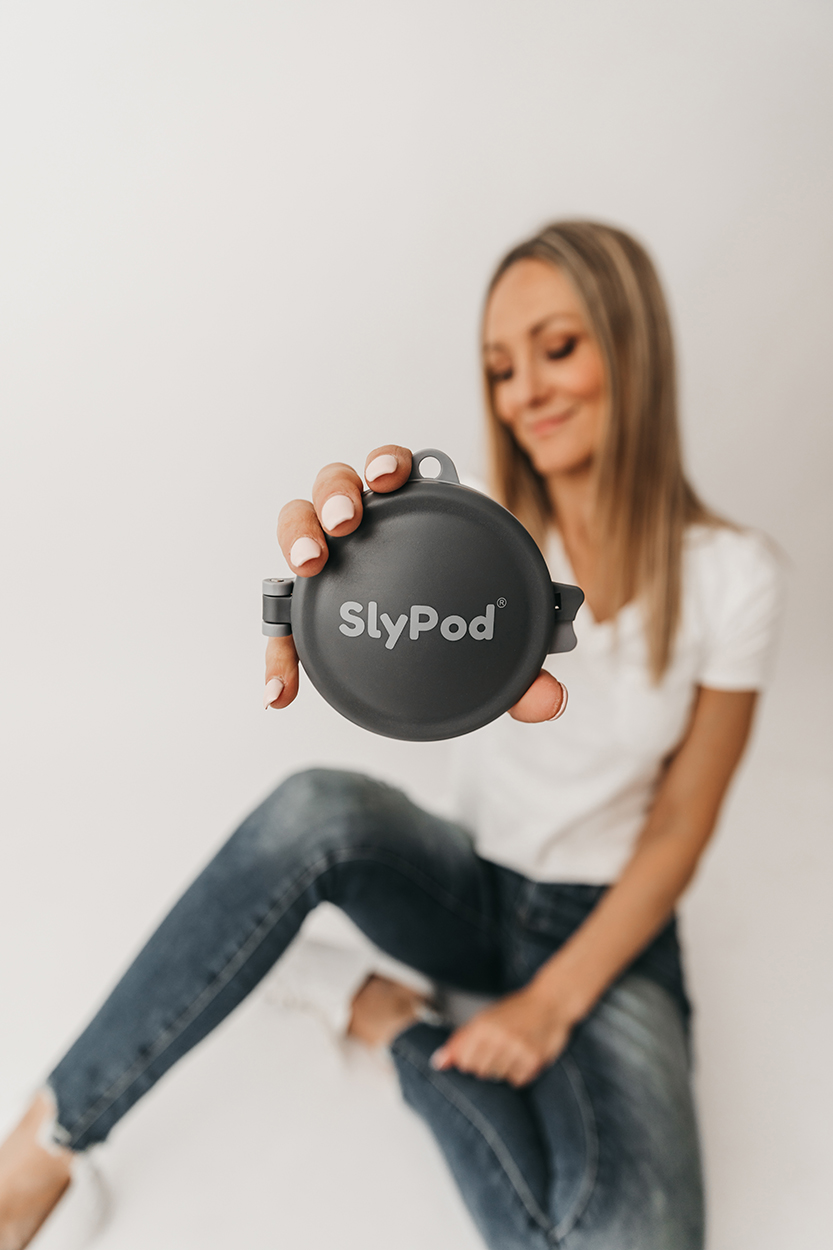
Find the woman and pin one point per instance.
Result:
(564, 1108)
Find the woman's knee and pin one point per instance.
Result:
(317, 809)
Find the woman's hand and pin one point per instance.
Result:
(336, 509)
(513, 1040)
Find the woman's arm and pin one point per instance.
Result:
(517, 1037)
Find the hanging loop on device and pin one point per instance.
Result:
(447, 472)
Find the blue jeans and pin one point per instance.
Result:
(600, 1151)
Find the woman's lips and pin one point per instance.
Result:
(545, 425)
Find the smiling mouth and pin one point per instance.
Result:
(546, 425)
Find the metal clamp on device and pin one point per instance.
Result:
(277, 606)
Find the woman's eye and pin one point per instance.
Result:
(499, 375)
(563, 350)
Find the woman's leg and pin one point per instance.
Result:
(600, 1153)
(410, 880)
(642, 1184)
(491, 1140)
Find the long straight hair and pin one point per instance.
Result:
(643, 500)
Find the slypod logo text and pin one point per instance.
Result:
(421, 619)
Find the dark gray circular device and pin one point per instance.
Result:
(432, 618)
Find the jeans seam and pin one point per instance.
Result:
(240, 957)
(591, 1170)
(481, 1125)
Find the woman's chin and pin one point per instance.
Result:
(552, 461)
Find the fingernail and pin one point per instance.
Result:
(437, 1058)
(379, 466)
(274, 686)
(337, 510)
(562, 707)
(303, 550)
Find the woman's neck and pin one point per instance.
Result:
(573, 499)
(572, 496)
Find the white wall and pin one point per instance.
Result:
(241, 239)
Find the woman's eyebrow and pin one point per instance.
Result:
(536, 329)
(559, 316)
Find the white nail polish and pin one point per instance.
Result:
(303, 550)
(562, 707)
(274, 687)
(337, 510)
(379, 466)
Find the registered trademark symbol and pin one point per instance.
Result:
(501, 603)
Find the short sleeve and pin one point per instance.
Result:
(743, 585)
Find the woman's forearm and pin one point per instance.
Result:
(632, 911)
(676, 832)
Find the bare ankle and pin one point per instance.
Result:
(382, 1009)
(34, 1173)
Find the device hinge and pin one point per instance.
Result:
(277, 606)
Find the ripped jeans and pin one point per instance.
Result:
(600, 1151)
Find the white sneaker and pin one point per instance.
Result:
(320, 979)
(326, 966)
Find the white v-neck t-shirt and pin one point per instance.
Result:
(566, 800)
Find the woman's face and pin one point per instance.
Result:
(546, 370)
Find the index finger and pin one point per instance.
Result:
(387, 468)
(337, 499)
(337, 491)
(448, 1055)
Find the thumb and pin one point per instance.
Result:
(281, 673)
(546, 699)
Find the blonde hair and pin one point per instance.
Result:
(643, 501)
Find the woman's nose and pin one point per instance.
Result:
(531, 386)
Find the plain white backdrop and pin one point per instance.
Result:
(238, 241)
